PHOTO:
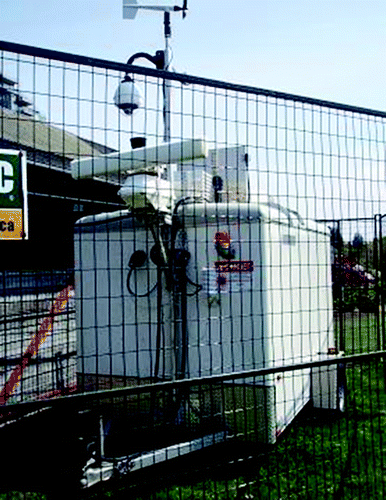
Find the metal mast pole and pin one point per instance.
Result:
(166, 83)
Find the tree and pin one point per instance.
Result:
(357, 241)
(336, 238)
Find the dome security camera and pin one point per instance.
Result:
(127, 96)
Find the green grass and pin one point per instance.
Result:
(18, 495)
(362, 332)
(320, 455)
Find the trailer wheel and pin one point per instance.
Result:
(341, 388)
(329, 387)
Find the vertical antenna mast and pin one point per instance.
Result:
(166, 83)
(130, 9)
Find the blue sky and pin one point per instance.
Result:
(327, 49)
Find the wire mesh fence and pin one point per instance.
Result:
(208, 311)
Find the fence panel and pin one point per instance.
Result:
(207, 311)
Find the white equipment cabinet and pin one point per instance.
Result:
(117, 331)
(258, 294)
(265, 301)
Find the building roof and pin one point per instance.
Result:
(6, 81)
(31, 132)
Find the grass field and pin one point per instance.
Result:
(321, 455)
(361, 332)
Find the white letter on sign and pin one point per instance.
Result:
(6, 171)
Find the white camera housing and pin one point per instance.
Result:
(127, 97)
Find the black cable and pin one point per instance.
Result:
(146, 294)
(159, 323)
(183, 201)
(198, 287)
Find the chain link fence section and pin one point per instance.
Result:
(221, 294)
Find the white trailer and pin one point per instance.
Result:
(265, 302)
(209, 285)
(117, 310)
(254, 292)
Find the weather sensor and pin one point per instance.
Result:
(130, 7)
(144, 167)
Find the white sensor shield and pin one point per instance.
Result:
(139, 160)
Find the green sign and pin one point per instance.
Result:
(13, 195)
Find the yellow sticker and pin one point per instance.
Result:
(11, 224)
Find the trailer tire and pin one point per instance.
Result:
(341, 393)
(329, 388)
